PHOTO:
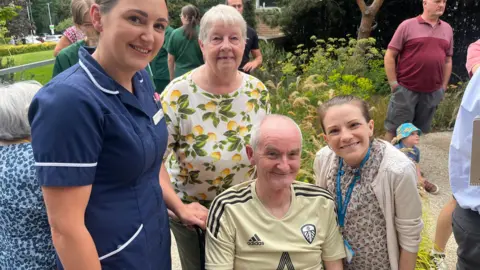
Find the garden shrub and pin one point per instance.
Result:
(6, 62)
(20, 49)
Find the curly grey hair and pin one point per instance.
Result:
(15, 100)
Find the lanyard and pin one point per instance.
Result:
(342, 207)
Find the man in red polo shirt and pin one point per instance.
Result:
(418, 63)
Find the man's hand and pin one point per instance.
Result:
(250, 66)
(393, 86)
(193, 214)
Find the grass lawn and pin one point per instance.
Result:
(40, 74)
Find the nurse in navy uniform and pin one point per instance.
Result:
(98, 136)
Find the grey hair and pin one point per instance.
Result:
(256, 130)
(15, 100)
(221, 13)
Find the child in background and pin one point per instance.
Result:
(407, 139)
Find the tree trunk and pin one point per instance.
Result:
(368, 17)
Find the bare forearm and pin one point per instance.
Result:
(76, 249)
(258, 60)
(334, 265)
(390, 68)
(171, 66)
(407, 260)
(447, 73)
(475, 68)
(171, 199)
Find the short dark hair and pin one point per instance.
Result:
(341, 100)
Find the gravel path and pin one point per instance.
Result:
(434, 163)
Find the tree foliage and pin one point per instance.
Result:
(59, 11)
(63, 25)
(7, 13)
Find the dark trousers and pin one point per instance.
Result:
(466, 229)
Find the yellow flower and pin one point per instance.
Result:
(197, 130)
(217, 182)
(225, 172)
(190, 166)
(202, 196)
(255, 94)
(237, 157)
(189, 138)
(184, 172)
(232, 125)
(173, 106)
(250, 106)
(212, 137)
(260, 86)
(243, 130)
(210, 106)
(164, 106)
(175, 95)
(216, 155)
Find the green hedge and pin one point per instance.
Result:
(8, 50)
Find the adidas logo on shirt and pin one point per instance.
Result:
(255, 241)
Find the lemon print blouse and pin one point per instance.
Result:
(207, 136)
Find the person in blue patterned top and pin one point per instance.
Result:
(25, 239)
(407, 139)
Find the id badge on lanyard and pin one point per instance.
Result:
(342, 206)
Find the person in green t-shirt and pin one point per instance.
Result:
(81, 17)
(184, 52)
(159, 64)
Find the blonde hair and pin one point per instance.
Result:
(79, 9)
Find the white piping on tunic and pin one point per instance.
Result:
(89, 74)
(120, 248)
(62, 164)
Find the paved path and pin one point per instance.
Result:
(434, 154)
(434, 164)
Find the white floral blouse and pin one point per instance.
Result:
(207, 135)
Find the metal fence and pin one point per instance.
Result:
(21, 68)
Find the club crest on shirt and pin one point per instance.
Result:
(309, 231)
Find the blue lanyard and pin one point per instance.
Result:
(342, 207)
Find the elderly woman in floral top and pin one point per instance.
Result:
(374, 186)
(210, 113)
(25, 238)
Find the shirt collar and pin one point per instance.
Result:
(421, 20)
(98, 76)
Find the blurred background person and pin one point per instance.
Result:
(81, 17)
(70, 36)
(184, 52)
(251, 46)
(25, 238)
(159, 64)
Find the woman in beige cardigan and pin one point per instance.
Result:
(374, 186)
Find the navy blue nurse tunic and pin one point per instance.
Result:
(89, 130)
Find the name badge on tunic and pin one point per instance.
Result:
(158, 116)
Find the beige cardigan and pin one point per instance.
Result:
(396, 190)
